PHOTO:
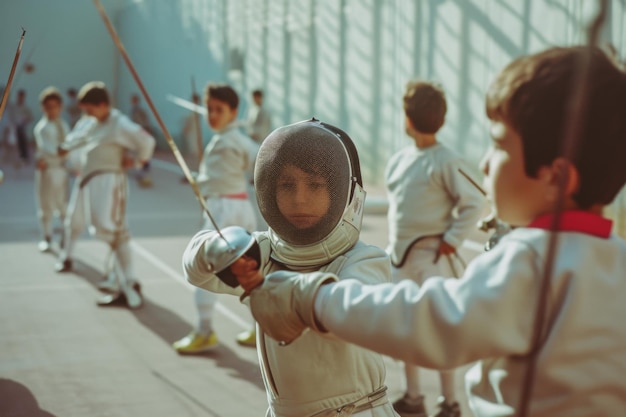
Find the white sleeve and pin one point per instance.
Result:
(469, 202)
(79, 135)
(196, 269)
(391, 164)
(45, 144)
(447, 322)
(137, 139)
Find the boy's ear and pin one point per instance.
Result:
(561, 173)
(409, 123)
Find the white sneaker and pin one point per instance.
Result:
(109, 284)
(133, 297)
(44, 245)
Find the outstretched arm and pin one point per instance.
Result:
(79, 136)
(445, 323)
(469, 205)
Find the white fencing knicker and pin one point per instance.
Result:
(100, 201)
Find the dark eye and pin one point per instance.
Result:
(317, 185)
(286, 186)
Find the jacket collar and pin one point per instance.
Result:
(576, 221)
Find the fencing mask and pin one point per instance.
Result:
(309, 189)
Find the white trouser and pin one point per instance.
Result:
(101, 203)
(225, 212)
(419, 266)
(51, 196)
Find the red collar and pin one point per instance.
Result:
(577, 221)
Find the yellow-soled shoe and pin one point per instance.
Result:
(247, 338)
(195, 343)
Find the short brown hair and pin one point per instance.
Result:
(50, 93)
(94, 92)
(222, 92)
(533, 94)
(425, 105)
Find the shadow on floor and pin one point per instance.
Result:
(16, 400)
(170, 327)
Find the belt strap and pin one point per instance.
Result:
(374, 399)
(238, 196)
(95, 173)
(417, 241)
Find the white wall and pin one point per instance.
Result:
(65, 40)
(171, 44)
(348, 61)
(343, 61)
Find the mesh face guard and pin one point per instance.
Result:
(318, 150)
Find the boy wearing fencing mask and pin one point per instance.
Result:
(309, 190)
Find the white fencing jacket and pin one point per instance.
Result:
(49, 135)
(104, 143)
(316, 375)
(488, 315)
(428, 196)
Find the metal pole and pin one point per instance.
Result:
(7, 89)
(168, 137)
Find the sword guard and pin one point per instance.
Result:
(222, 249)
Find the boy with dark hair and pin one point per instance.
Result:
(100, 191)
(222, 180)
(432, 209)
(490, 315)
(424, 106)
(51, 176)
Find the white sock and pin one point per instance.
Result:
(205, 303)
(412, 381)
(448, 390)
